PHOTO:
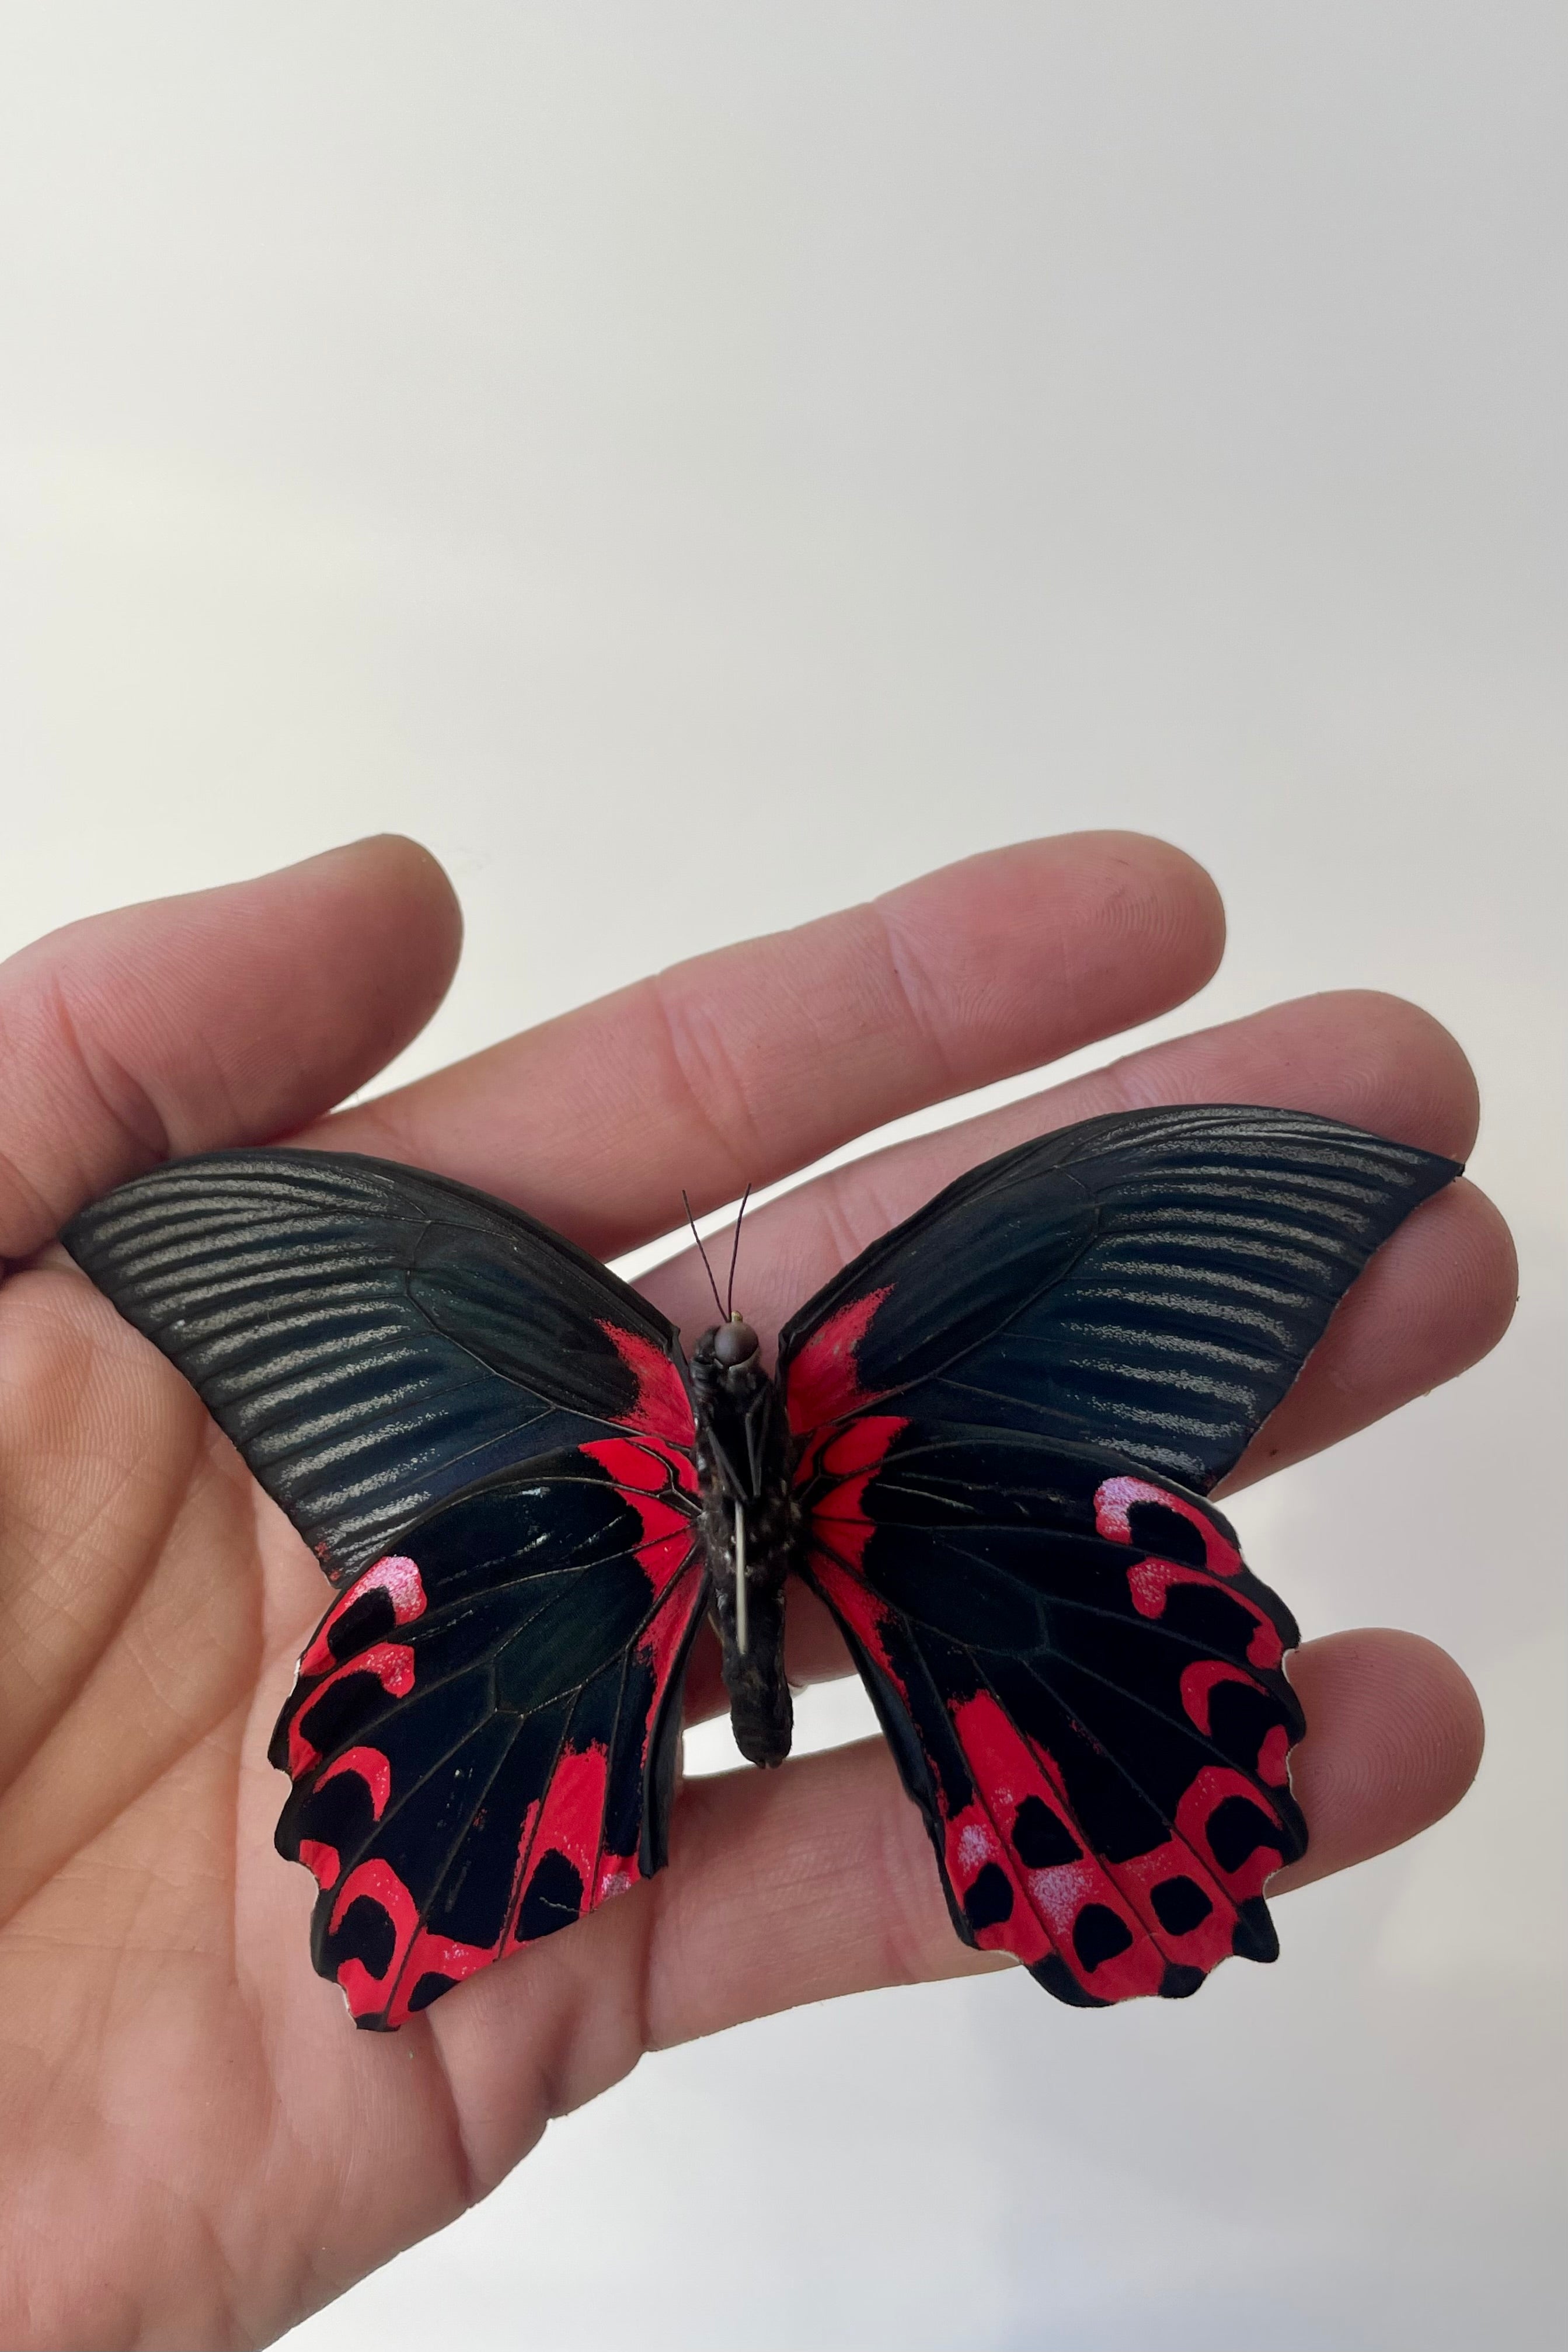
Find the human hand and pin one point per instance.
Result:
(196, 2149)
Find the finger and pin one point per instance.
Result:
(739, 1066)
(1394, 1739)
(1436, 1298)
(227, 1016)
(818, 1879)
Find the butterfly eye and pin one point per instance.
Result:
(734, 1342)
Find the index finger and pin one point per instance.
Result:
(739, 1066)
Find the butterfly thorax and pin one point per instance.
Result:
(750, 1528)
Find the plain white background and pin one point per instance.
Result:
(692, 466)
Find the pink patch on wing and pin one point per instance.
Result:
(395, 1576)
(1116, 1499)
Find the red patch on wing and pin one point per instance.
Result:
(1197, 1686)
(321, 1861)
(823, 1384)
(372, 1768)
(433, 1955)
(392, 1664)
(377, 1882)
(569, 1824)
(851, 1458)
(663, 1409)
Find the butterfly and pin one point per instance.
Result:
(986, 1446)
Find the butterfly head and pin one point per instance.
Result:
(727, 1366)
(734, 1343)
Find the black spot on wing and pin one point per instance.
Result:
(554, 1898)
(1235, 1831)
(364, 1933)
(990, 1900)
(1180, 1905)
(1099, 1935)
(1040, 1839)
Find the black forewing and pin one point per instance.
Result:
(374, 1340)
(1151, 1282)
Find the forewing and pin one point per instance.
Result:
(376, 1341)
(483, 1733)
(1150, 1282)
(1083, 1687)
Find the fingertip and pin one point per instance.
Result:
(1416, 1076)
(223, 1016)
(405, 885)
(1436, 1298)
(1486, 1267)
(1062, 940)
(1160, 882)
(386, 932)
(1395, 1733)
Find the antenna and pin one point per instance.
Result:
(734, 1254)
(703, 1255)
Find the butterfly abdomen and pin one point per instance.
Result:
(750, 1530)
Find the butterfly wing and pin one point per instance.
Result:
(1008, 1412)
(482, 1737)
(1151, 1282)
(486, 1439)
(1084, 1690)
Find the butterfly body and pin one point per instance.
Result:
(987, 1446)
(751, 1529)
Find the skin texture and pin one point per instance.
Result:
(195, 2148)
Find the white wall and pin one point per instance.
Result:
(692, 465)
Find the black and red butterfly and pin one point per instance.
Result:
(986, 1446)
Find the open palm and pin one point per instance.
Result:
(197, 2149)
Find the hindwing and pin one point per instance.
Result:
(487, 1438)
(1008, 1411)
